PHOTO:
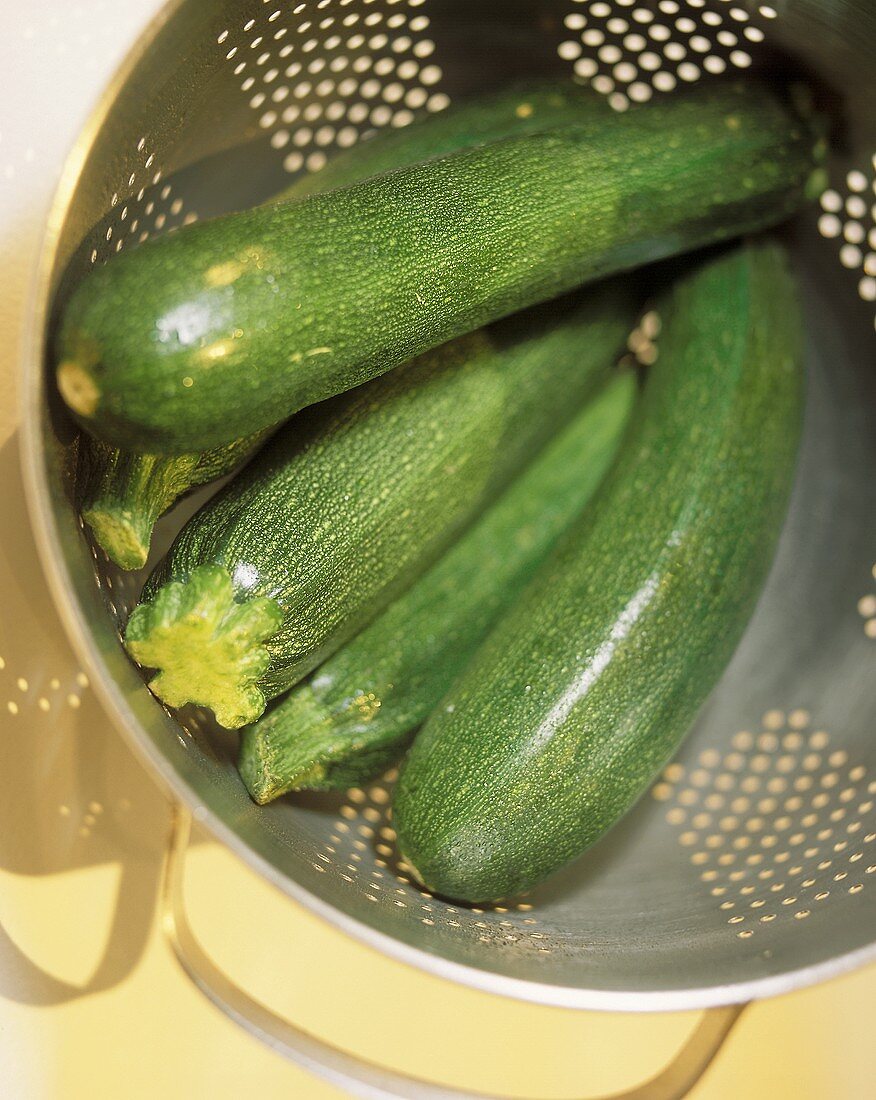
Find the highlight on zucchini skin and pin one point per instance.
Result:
(356, 714)
(293, 302)
(587, 685)
(355, 498)
(126, 492)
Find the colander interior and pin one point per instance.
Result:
(751, 865)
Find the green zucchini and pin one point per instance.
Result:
(229, 326)
(125, 492)
(354, 498)
(357, 712)
(587, 685)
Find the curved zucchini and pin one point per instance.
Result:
(126, 492)
(354, 498)
(587, 685)
(357, 712)
(229, 326)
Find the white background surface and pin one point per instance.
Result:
(91, 1001)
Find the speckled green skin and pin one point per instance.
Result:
(124, 493)
(358, 711)
(586, 687)
(526, 108)
(356, 497)
(229, 326)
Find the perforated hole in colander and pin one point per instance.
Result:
(849, 218)
(867, 609)
(324, 75)
(628, 50)
(143, 205)
(778, 825)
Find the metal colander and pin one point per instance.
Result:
(750, 869)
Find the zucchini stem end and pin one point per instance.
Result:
(207, 648)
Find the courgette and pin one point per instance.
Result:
(585, 688)
(126, 492)
(354, 498)
(228, 326)
(354, 716)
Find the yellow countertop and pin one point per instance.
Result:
(94, 1003)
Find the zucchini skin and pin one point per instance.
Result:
(228, 327)
(354, 716)
(588, 684)
(125, 492)
(355, 498)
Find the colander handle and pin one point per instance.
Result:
(357, 1076)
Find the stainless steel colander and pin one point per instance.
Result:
(750, 869)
